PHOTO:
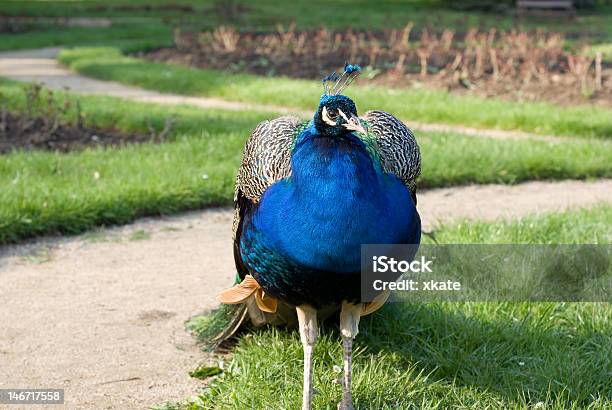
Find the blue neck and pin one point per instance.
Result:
(333, 168)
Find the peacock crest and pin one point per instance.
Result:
(334, 83)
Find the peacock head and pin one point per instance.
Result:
(337, 114)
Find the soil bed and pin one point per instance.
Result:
(528, 66)
(19, 132)
(10, 26)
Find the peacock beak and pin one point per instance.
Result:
(353, 123)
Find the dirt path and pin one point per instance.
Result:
(40, 65)
(102, 314)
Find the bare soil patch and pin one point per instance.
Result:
(529, 66)
(12, 26)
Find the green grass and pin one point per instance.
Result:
(104, 8)
(137, 35)
(605, 49)
(51, 193)
(447, 355)
(409, 104)
(591, 225)
(452, 159)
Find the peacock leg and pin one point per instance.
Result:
(307, 318)
(349, 327)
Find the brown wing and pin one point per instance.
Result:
(398, 149)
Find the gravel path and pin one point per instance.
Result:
(40, 65)
(102, 314)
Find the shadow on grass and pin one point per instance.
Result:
(443, 355)
(526, 353)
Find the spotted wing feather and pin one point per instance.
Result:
(267, 156)
(266, 159)
(397, 147)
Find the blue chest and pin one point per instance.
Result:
(336, 199)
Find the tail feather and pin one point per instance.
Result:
(218, 325)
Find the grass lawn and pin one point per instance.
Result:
(138, 35)
(590, 225)
(408, 104)
(50, 193)
(447, 355)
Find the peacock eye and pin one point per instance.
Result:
(332, 113)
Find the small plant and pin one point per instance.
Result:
(204, 372)
(49, 120)
(223, 39)
(160, 136)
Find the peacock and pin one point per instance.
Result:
(308, 195)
